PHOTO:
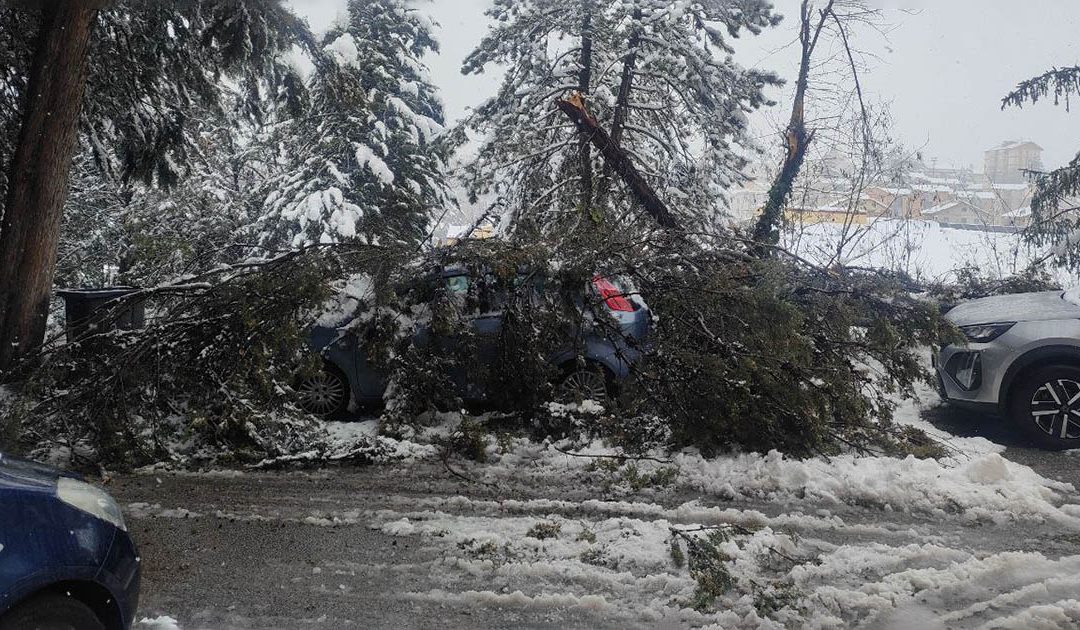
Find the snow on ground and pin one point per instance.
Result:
(865, 541)
(923, 249)
(615, 557)
(157, 623)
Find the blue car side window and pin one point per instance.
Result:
(457, 285)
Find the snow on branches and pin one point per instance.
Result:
(367, 160)
(658, 75)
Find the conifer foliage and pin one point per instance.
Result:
(658, 75)
(147, 72)
(1055, 213)
(368, 159)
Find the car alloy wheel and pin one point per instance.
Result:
(323, 394)
(1055, 408)
(583, 384)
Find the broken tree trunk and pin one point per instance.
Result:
(797, 138)
(617, 160)
(30, 228)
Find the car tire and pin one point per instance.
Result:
(51, 612)
(591, 381)
(1045, 406)
(325, 393)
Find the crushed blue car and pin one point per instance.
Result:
(591, 361)
(67, 561)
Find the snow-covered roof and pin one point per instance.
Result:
(1019, 213)
(941, 207)
(925, 177)
(949, 205)
(1010, 186)
(975, 195)
(1013, 144)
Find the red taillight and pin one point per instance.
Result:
(612, 296)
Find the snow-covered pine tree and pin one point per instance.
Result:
(153, 234)
(168, 159)
(1055, 205)
(658, 74)
(162, 68)
(368, 160)
(157, 69)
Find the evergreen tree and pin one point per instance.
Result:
(1055, 205)
(367, 160)
(658, 75)
(152, 234)
(145, 71)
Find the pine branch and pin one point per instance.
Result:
(1063, 82)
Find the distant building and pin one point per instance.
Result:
(998, 199)
(1005, 164)
(960, 213)
(457, 233)
(1021, 217)
(802, 215)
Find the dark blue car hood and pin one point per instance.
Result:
(20, 474)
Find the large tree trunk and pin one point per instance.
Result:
(39, 173)
(585, 87)
(626, 81)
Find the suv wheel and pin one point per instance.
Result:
(326, 393)
(1045, 406)
(51, 612)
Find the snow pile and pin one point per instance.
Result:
(958, 590)
(875, 541)
(157, 623)
(974, 482)
(982, 487)
(353, 442)
(154, 510)
(987, 488)
(615, 561)
(622, 568)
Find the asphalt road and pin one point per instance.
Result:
(253, 551)
(1052, 465)
(248, 556)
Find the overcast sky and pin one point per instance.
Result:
(944, 67)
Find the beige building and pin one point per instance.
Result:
(960, 212)
(1005, 164)
(998, 198)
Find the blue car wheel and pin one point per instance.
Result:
(51, 612)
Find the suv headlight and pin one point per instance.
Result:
(984, 333)
(90, 499)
